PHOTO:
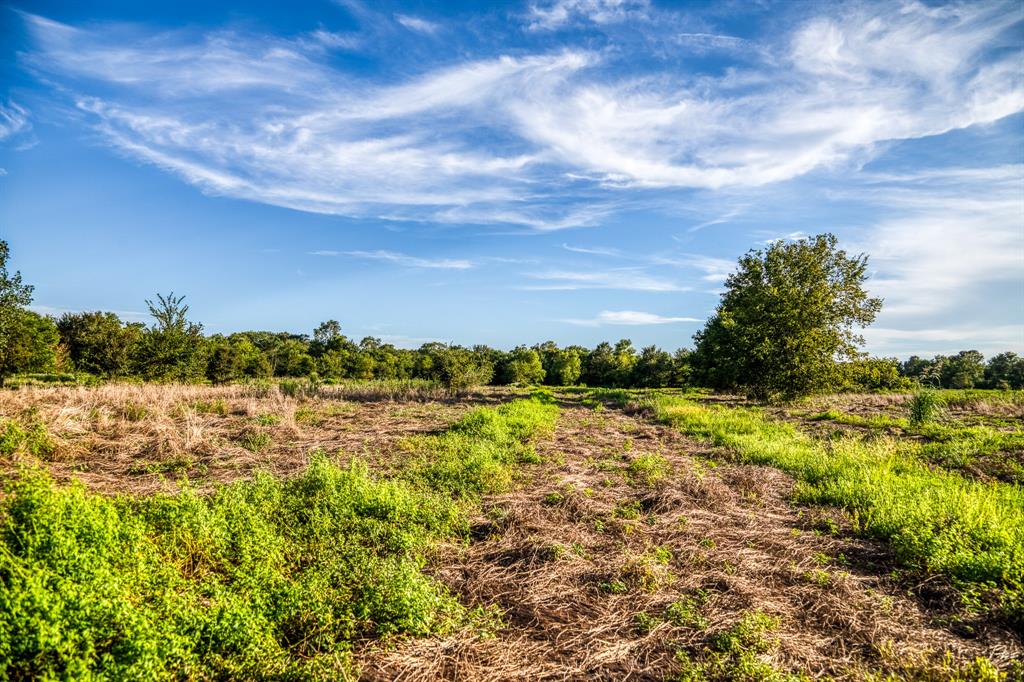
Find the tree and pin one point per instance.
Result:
(1005, 370)
(522, 366)
(966, 369)
(172, 348)
(654, 369)
(786, 320)
(98, 342)
(30, 345)
(14, 296)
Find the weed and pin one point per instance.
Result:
(924, 407)
(267, 419)
(256, 441)
(648, 469)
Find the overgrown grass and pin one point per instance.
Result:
(265, 578)
(935, 520)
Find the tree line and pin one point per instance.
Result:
(783, 329)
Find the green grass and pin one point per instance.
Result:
(935, 520)
(947, 443)
(265, 578)
(475, 456)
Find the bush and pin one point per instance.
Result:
(924, 407)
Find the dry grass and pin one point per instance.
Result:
(132, 438)
(573, 556)
(570, 568)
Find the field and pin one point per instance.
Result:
(392, 532)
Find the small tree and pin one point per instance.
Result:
(15, 326)
(786, 320)
(173, 348)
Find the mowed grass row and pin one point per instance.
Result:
(265, 578)
(935, 520)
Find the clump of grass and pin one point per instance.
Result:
(935, 520)
(267, 578)
(267, 419)
(133, 411)
(648, 469)
(217, 406)
(924, 407)
(256, 441)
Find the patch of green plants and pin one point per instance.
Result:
(32, 439)
(267, 419)
(218, 407)
(924, 407)
(686, 613)
(737, 653)
(648, 469)
(256, 441)
(935, 520)
(476, 455)
(266, 578)
(134, 412)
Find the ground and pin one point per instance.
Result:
(629, 552)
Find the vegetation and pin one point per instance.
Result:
(935, 520)
(263, 578)
(785, 318)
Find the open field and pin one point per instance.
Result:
(506, 534)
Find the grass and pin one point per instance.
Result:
(935, 520)
(265, 578)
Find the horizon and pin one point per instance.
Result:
(589, 168)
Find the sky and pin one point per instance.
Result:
(507, 173)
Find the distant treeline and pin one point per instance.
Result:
(173, 348)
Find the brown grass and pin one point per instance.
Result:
(132, 438)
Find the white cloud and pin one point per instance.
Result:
(558, 13)
(951, 238)
(627, 279)
(627, 317)
(406, 260)
(593, 250)
(14, 120)
(417, 24)
(531, 140)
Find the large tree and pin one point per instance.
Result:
(786, 320)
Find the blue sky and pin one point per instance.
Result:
(575, 170)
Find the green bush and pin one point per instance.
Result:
(924, 407)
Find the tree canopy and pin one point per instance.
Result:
(787, 320)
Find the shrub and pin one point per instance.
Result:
(924, 407)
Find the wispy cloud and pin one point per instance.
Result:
(626, 279)
(417, 24)
(558, 13)
(593, 250)
(404, 260)
(530, 140)
(627, 317)
(14, 120)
